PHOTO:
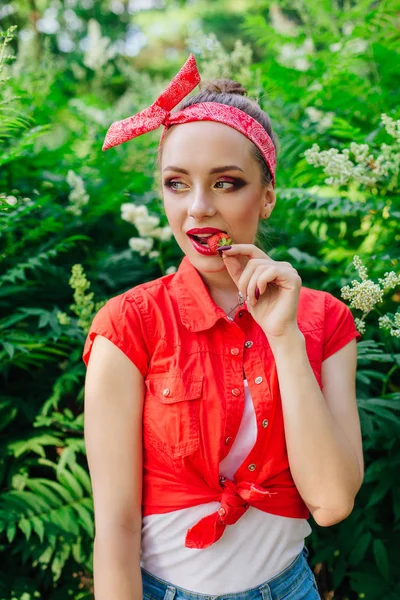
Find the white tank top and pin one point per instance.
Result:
(253, 550)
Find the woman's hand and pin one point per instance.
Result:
(278, 282)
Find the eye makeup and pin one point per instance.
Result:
(236, 183)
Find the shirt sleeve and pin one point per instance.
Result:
(120, 321)
(339, 326)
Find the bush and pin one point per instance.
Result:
(73, 218)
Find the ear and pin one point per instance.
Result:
(268, 200)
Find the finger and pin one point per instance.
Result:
(238, 268)
(248, 250)
(248, 273)
(234, 267)
(281, 276)
(255, 283)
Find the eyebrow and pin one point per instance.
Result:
(215, 170)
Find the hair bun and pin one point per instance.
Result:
(223, 86)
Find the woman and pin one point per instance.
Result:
(220, 400)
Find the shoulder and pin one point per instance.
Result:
(130, 320)
(318, 306)
(142, 296)
(311, 308)
(329, 318)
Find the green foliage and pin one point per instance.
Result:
(83, 307)
(74, 218)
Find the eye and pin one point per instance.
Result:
(223, 181)
(171, 184)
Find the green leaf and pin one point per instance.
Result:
(38, 527)
(25, 526)
(11, 531)
(69, 481)
(9, 348)
(360, 548)
(86, 519)
(381, 490)
(381, 558)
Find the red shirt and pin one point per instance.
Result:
(194, 359)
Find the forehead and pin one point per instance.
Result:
(202, 143)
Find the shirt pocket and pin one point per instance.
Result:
(172, 413)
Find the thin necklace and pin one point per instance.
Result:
(240, 303)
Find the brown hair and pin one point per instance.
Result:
(227, 91)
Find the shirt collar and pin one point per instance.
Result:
(197, 309)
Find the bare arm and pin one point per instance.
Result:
(322, 428)
(114, 392)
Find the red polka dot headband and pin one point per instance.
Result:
(159, 114)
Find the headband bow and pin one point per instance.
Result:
(152, 117)
(159, 113)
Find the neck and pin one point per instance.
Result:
(221, 287)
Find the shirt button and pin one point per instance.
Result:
(251, 467)
(166, 392)
(221, 511)
(258, 379)
(235, 351)
(228, 440)
(265, 423)
(222, 479)
(236, 392)
(248, 344)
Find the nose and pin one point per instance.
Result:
(201, 204)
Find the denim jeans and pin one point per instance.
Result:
(296, 582)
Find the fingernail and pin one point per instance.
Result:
(223, 248)
(257, 293)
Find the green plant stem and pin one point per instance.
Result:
(388, 375)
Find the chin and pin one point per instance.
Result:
(209, 264)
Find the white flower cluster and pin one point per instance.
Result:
(393, 326)
(391, 126)
(347, 28)
(390, 281)
(349, 47)
(336, 164)
(323, 119)
(99, 50)
(360, 325)
(281, 23)
(77, 196)
(361, 268)
(365, 294)
(12, 200)
(148, 228)
(141, 245)
(362, 165)
(296, 57)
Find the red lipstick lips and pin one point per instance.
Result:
(204, 230)
(202, 248)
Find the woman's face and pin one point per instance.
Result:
(232, 199)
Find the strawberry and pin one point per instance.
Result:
(217, 240)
